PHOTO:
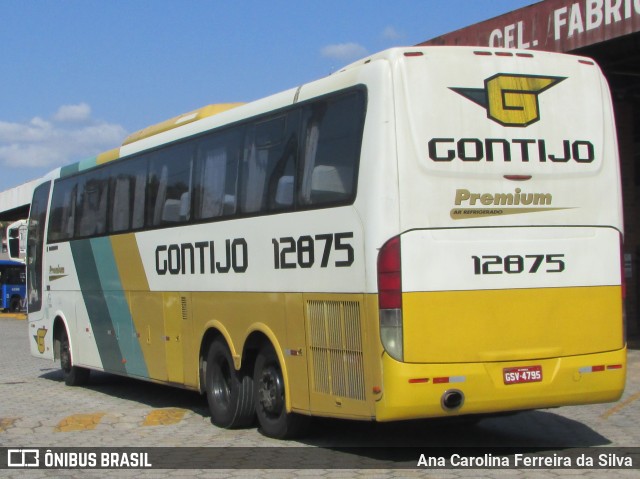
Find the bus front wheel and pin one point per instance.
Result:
(229, 392)
(270, 399)
(73, 375)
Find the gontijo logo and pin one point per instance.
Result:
(510, 99)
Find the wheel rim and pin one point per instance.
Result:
(271, 391)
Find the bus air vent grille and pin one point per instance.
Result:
(335, 339)
(184, 308)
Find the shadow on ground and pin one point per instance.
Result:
(529, 429)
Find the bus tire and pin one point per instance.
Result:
(270, 401)
(229, 392)
(73, 375)
(14, 306)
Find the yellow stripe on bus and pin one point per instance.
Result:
(108, 156)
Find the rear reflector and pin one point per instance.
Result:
(449, 379)
(599, 368)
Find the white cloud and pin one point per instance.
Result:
(70, 135)
(73, 113)
(390, 33)
(344, 51)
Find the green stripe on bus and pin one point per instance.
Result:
(118, 306)
(80, 166)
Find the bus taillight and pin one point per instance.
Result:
(390, 297)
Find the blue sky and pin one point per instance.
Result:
(79, 75)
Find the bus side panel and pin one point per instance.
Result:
(147, 309)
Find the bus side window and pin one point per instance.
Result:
(16, 276)
(169, 189)
(282, 179)
(63, 210)
(92, 206)
(139, 193)
(263, 146)
(216, 180)
(333, 136)
(214, 172)
(269, 164)
(121, 207)
(127, 195)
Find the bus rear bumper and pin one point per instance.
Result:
(413, 391)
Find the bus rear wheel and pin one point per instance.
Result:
(271, 408)
(73, 375)
(14, 306)
(229, 392)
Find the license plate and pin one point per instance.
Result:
(526, 374)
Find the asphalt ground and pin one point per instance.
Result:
(37, 410)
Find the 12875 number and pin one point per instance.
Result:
(516, 264)
(305, 251)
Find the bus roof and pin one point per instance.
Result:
(180, 120)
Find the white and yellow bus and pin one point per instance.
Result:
(427, 232)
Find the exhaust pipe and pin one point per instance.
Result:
(452, 400)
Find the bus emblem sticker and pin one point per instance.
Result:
(480, 205)
(39, 338)
(510, 99)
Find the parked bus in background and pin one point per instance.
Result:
(427, 232)
(12, 285)
(17, 240)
